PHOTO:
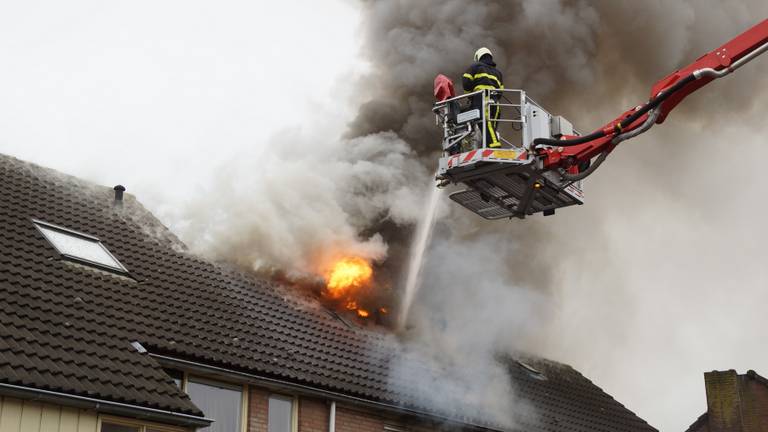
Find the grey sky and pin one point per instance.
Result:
(160, 95)
(156, 94)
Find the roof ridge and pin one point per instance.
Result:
(698, 422)
(757, 377)
(602, 394)
(222, 316)
(135, 211)
(31, 166)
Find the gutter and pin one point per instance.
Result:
(104, 406)
(307, 390)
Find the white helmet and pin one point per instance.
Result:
(481, 52)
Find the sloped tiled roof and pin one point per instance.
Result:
(568, 401)
(68, 327)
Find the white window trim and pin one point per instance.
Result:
(38, 223)
(294, 409)
(244, 411)
(184, 381)
(295, 415)
(214, 382)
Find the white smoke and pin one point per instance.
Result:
(664, 235)
(296, 207)
(467, 315)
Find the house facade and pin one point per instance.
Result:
(108, 324)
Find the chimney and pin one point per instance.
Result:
(724, 403)
(119, 189)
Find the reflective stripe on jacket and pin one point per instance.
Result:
(482, 75)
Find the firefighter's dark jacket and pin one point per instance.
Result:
(482, 75)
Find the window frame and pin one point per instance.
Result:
(182, 378)
(294, 409)
(142, 425)
(39, 225)
(243, 388)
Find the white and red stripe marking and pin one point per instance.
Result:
(475, 155)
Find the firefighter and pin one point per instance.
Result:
(483, 75)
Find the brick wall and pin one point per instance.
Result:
(350, 420)
(735, 403)
(314, 413)
(754, 403)
(258, 406)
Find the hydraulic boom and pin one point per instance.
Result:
(543, 159)
(666, 94)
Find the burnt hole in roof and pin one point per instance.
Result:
(340, 318)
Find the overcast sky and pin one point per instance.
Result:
(159, 95)
(155, 95)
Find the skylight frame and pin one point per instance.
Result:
(532, 371)
(119, 268)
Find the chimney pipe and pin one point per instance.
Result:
(119, 189)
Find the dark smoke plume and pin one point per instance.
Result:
(528, 286)
(564, 53)
(601, 286)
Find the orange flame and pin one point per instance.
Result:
(347, 282)
(347, 275)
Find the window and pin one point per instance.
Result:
(79, 247)
(280, 416)
(116, 424)
(532, 371)
(177, 376)
(219, 401)
(115, 427)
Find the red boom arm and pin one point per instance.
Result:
(665, 95)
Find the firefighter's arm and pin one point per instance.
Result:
(467, 80)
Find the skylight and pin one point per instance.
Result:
(79, 247)
(532, 370)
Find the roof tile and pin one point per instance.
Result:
(68, 327)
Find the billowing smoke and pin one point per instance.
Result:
(599, 286)
(294, 209)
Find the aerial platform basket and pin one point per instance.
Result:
(507, 181)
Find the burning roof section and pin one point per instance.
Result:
(68, 327)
